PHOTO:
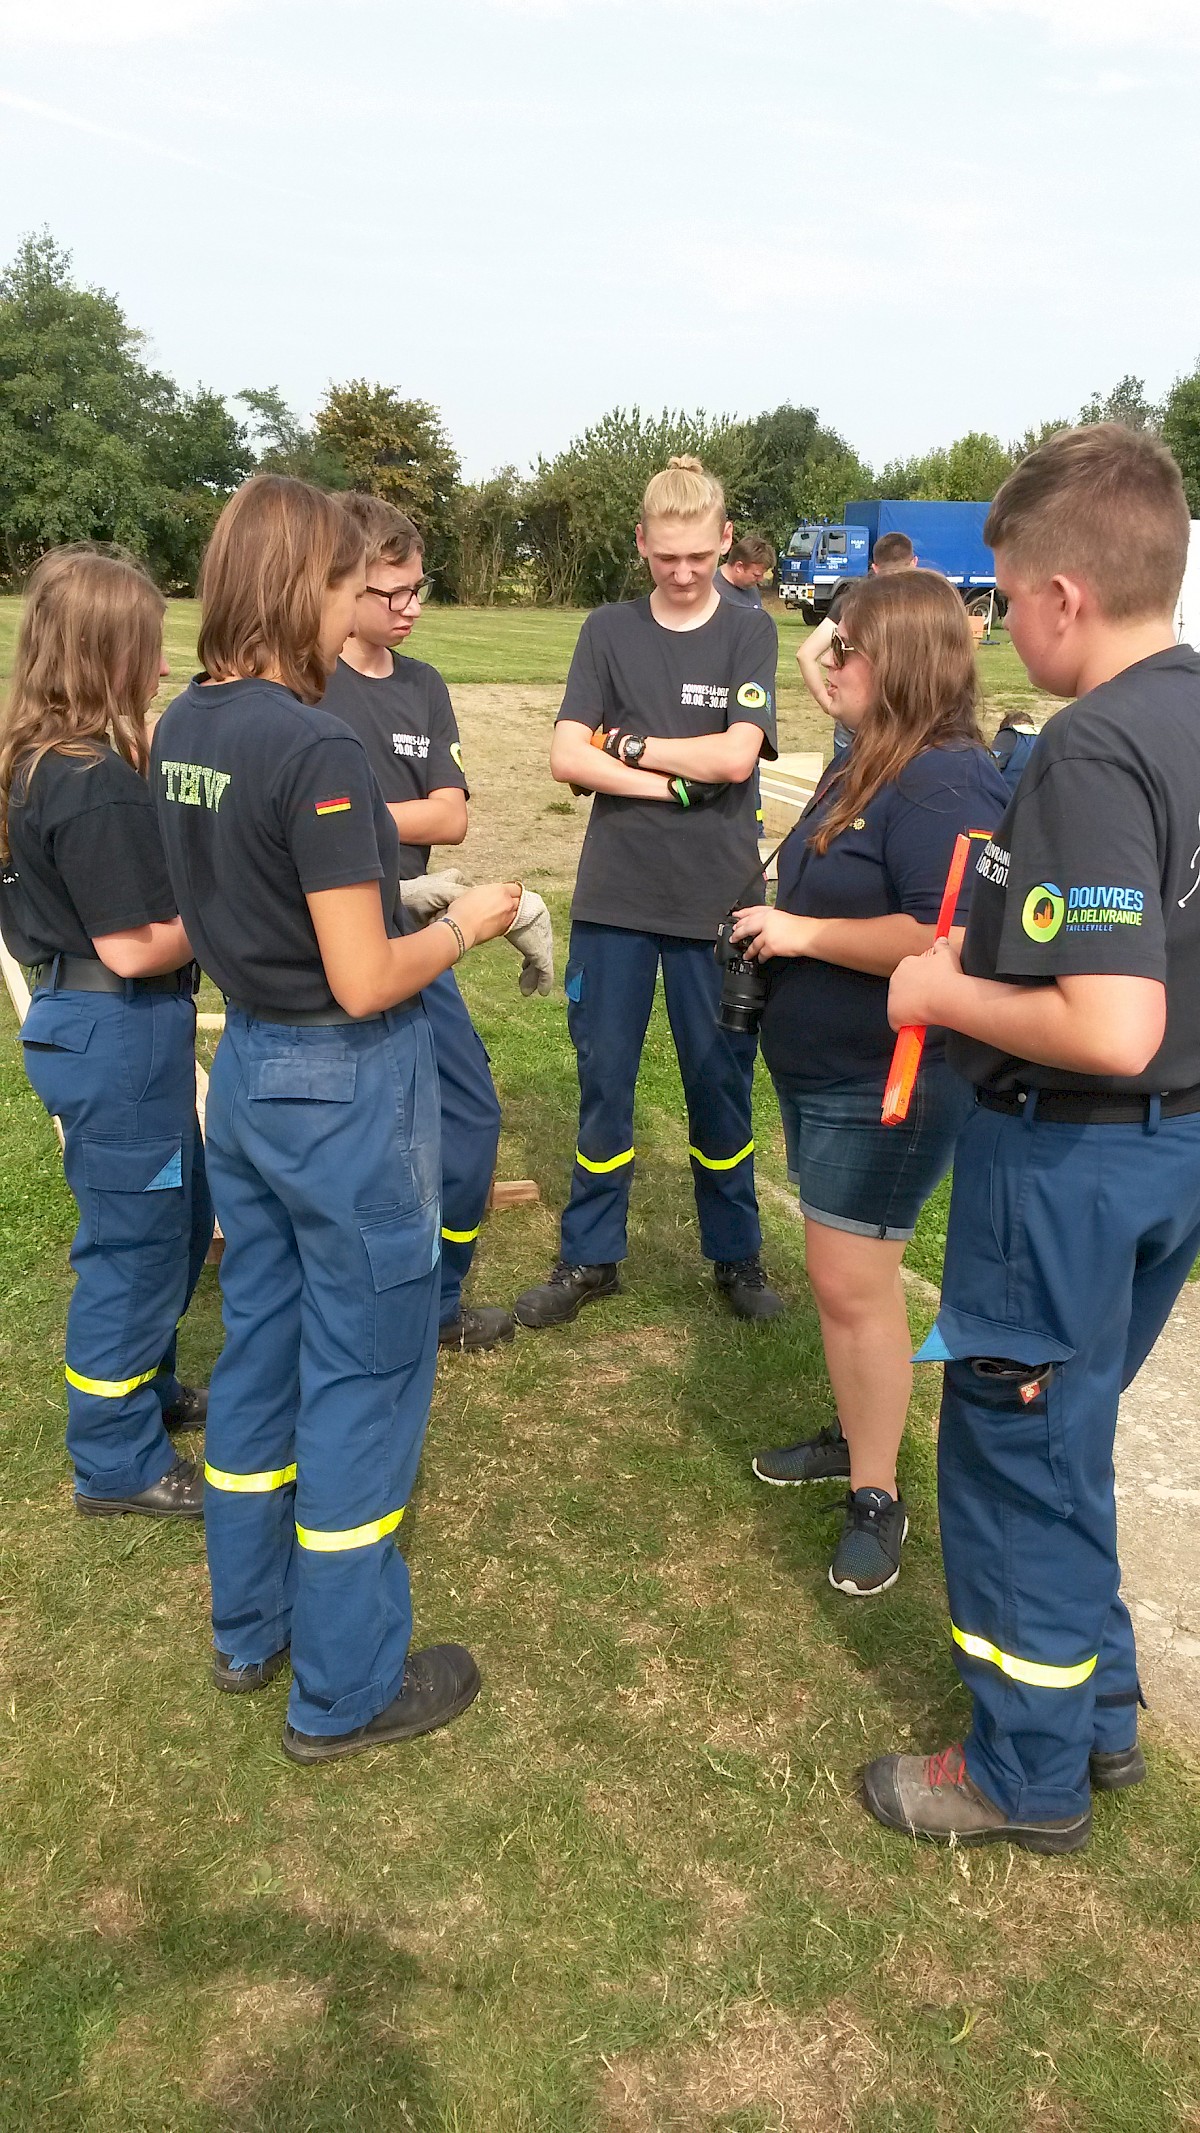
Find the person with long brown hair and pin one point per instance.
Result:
(860, 881)
(109, 1038)
(322, 1134)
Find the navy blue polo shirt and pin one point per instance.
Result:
(823, 1024)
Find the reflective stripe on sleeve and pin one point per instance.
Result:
(1027, 1670)
(613, 1162)
(461, 1236)
(353, 1537)
(107, 1388)
(722, 1162)
(249, 1484)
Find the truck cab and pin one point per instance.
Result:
(820, 559)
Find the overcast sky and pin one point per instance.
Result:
(918, 216)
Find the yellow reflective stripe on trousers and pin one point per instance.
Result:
(353, 1537)
(461, 1236)
(107, 1388)
(613, 1162)
(1027, 1670)
(249, 1484)
(722, 1162)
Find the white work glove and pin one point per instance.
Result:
(533, 938)
(428, 895)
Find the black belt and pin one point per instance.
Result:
(313, 1017)
(85, 973)
(1084, 1107)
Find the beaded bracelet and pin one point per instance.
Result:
(456, 930)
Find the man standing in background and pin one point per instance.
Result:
(747, 566)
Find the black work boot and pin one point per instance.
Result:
(243, 1680)
(477, 1326)
(438, 1683)
(189, 1410)
(825, 1457)
(1111, 1772)
(563, 1295)
(744, 1285)
(180, 1494)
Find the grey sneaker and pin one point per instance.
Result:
(868, 1554)
(825, 1457)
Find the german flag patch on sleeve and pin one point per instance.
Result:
(337, 804)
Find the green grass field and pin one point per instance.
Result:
(631, 1891)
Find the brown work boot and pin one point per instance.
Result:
(932, 1796)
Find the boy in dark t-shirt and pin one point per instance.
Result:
(400, 710)
(1075, 1218)
(670, 701)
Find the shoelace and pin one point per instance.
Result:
(947, 1767)
(748, 1274)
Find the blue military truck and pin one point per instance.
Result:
(819, 560)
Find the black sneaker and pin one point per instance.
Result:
(563, 1295)
(438, 1683)
(180, 1494)
(477, 1326)
(189, 1410)
(744, 1285)
(825, 1457)
(868, 1554)
(1112, 1772)
(243, 1680)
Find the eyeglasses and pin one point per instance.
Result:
(840, 649)
(404, 595)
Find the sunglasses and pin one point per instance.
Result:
(840, 649)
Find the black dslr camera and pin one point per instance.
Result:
(743, 986)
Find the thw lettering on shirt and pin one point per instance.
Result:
(194, 784)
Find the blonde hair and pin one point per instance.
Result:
(276, 549)
(913, 628)
(1104, 504)
(684, 489)
(86, 667)
(389, 535)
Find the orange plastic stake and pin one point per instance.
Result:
(910, 1041)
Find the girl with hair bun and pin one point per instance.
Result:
(860, 884)
(109, 1039)
(323, 1137)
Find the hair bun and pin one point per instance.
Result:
(688, 462)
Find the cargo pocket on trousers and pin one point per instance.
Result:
(57, 1025)
(135, 1191)
(301, 1077)
(402, 1251)
(1009, 1385)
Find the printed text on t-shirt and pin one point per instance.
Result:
(993, 864)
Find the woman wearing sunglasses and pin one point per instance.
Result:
(860, 881)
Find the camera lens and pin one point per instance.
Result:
(743, 986)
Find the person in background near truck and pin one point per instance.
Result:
(860, 885)
(1013, 746)
(110, 1036)
(893, 552)
(669, 704)
(1074, 1008)
(322, 1137)
(747, 567)
(401, 711)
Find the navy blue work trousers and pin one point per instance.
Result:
(1067, 1247)
(119, 1073)
(323, 1154)
(610, 979)
(470, 1111)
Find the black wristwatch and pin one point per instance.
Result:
(633, 748)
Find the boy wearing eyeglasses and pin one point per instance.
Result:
(401, 711)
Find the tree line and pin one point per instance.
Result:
(97, 445)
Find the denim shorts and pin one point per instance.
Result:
(854, 1173)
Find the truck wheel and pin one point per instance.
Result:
(980, 602)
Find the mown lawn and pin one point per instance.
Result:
(632, 1890)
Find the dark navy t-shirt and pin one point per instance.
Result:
(85, 858)
(823, 1024)
(261, 801)
(406, 723)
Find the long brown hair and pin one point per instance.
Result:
(913, 628)
(276, 549)
(87, 666)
